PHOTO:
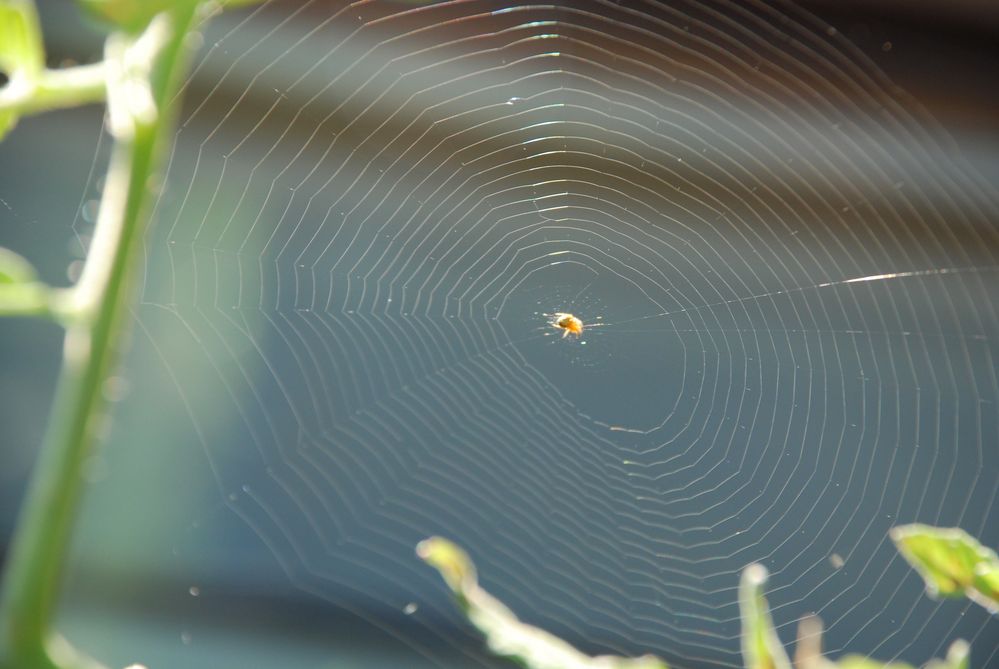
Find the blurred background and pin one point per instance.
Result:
(341, 343)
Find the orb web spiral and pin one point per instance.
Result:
(786, 274)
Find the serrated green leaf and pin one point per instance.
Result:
(505, 634)
(951, 562)
(761, 647)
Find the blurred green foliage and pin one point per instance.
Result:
(761, 647)
(505, 634)
(21, 56)
(952, 562)
(132, 16)
(140, 78)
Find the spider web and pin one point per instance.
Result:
(371, 207)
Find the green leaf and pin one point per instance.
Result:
(21, 51)
(14, 268)
(861, 662)
(24, 299)
(132, 16)
(22, 57)
(951, 561)
(232, 4)
(808, 653)
(505, 634)
(761, 647)
(7, 121)
(957, 658)
(21, 294)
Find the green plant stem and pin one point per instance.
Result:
(55, 89)
(93, 339)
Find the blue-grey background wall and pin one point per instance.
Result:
(341, 344)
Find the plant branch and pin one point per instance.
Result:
(99, 305)
(54, 89)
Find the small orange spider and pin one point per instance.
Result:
(569, 324)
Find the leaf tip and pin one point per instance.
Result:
(755, 575)
(450, 560)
